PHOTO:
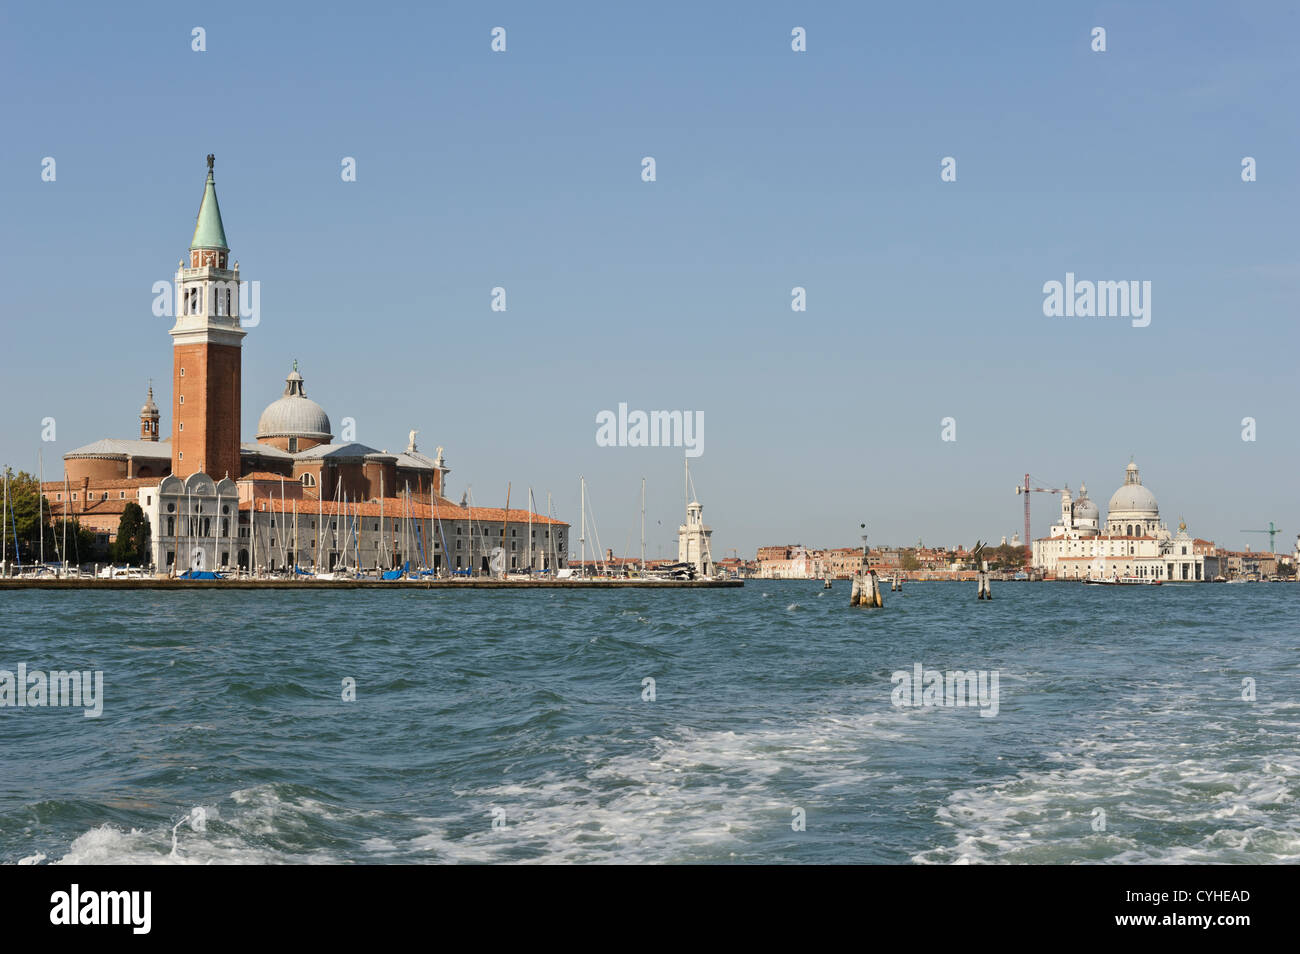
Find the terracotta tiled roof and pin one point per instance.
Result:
(113, 505)
(118, 483)
(396, 507)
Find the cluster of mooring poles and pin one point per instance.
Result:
(866, 588)
(982, 576)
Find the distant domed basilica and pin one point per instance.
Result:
(1132, 544)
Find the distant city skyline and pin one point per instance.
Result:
(775, 170)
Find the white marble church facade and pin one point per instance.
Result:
(1131, 543)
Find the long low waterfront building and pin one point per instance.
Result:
(203, 524)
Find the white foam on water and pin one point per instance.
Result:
(699, 796)
(234, 836)
(1161, 807)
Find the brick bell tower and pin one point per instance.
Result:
(149, 418)
(207, 342)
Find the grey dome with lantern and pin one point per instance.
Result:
(294, 414)
(1132, 498)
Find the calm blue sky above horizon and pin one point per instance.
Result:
(775, 169)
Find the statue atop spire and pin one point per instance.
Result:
(294, 386)
(211, 159)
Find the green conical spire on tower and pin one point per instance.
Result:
(208, 231)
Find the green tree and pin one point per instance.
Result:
(32, 519)
(143, 541)
(82, 546)
(24, 520)
(908, 561)
(1005, 556)
(132, 544)
(29, 518)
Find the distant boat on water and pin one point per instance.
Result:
(1122, 581)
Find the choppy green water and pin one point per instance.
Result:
(527, 707)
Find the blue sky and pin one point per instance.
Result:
(820, 169)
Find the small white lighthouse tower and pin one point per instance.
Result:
(693, 541)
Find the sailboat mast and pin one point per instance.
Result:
(530, 531)
(13, 520)
(284, 536)
(63, 557)
(4, 529)
(643, 526)
(582, 535)
(40, 502)
(505, 518)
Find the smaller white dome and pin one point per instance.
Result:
(1085, 509)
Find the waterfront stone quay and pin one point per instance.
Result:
(167, 583)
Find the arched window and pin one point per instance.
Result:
(308, 480)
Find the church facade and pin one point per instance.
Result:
(291, 497)
(1132, 542)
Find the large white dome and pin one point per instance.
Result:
(294, 415)
(1133, 498)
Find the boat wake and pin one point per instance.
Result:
(1132, 801)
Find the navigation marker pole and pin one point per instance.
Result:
(866, 588)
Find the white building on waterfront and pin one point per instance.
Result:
(1133, 542)
(694, 544)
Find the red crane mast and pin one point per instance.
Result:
(1027, 489)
